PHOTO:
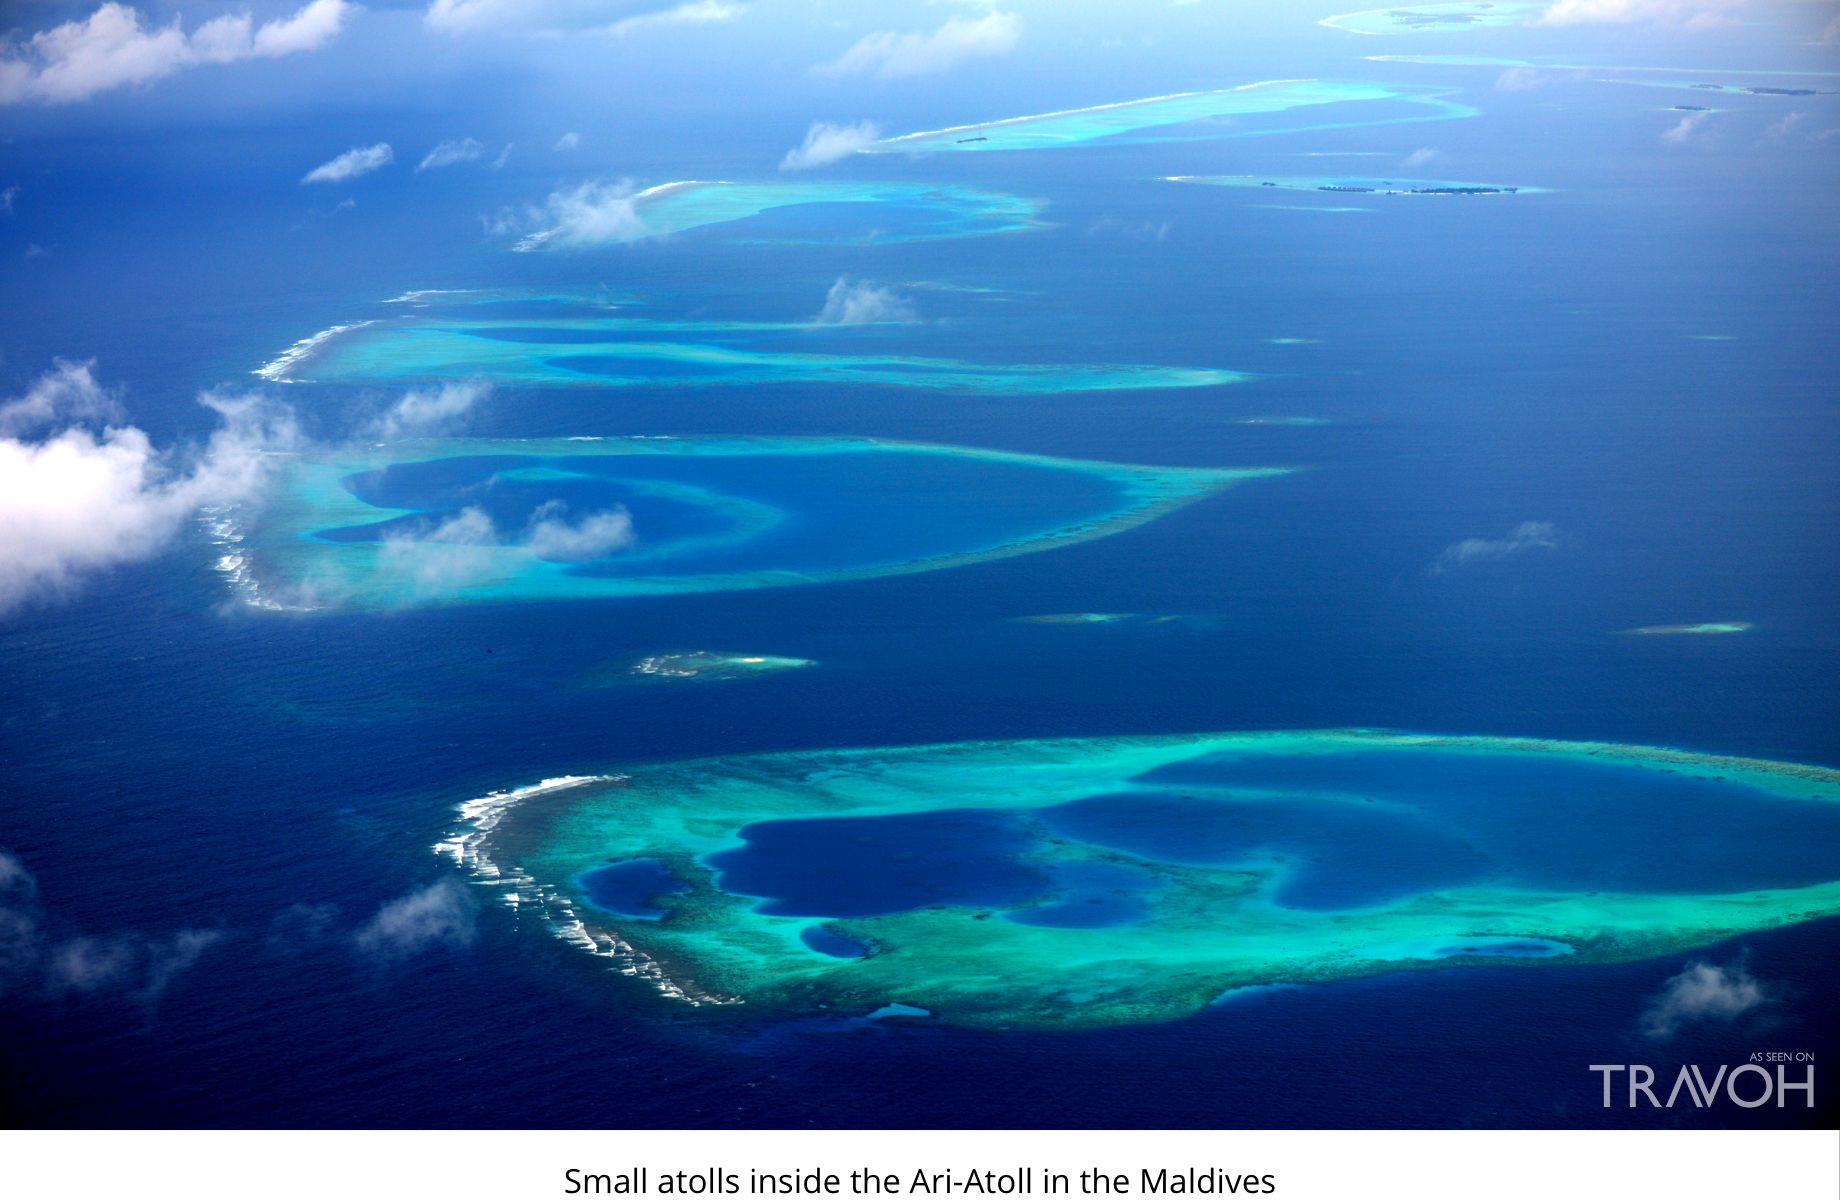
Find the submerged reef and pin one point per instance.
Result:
(1436, 18)
(1703, 627)
(1100, 881)
(803, 211)
(1109, 618)
(1245, 111)
(1602, 73)
(444, 522)
(1357, 185)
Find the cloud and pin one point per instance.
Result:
(468, 547)
(130, 964)
(1691, 15)
(449, 153)
(567, 141)
(1138, 231)
(454, 553)
(1528, 535)
(857, 303)
(1702, 992)
(425, 411)
(1830, 34)
(597, 535)
(1682, 131)
(111, 49)
(697, 12)
(441, 914)
(1521, 79)
(825, 143)
(360, 160)
(139, 966)
(68, 391)
(889, 55)
(1420, 156)
(1779, 132)
(79, 493)
(589, 214)
(19, 923)
(7, 197)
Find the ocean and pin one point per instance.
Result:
(1637, 361)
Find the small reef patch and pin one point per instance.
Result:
(710, 666)
(1358, 185)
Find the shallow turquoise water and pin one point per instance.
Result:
(456, 521)
(1271, 107)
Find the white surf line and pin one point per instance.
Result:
(276, 371)
(520, 890)
(1072, 112)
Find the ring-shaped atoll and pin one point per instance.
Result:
(445, 522)
(1099, 881)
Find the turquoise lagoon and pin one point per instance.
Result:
(1099, 881)
(477, 520)
(1271, 107)
(609, 351)
(846, 212)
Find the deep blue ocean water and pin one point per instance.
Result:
(172, 760)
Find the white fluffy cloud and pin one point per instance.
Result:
(697, 12)
(618, 17)
(79, 493)
(889, 55)
(1682, 131)
(553, 538)
(1674, 14)
(111, 48)
(441, 914)
(1702, 992)
(859, 303)
(68, 391)
(1420, 157)
(567, 141)
(588, 214)
(1528, 535)
(451, 153)
(425, 411)
(360, 160)
(468, 548)
(826, 143)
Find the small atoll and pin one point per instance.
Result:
(469, 521)
(1099, 881)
